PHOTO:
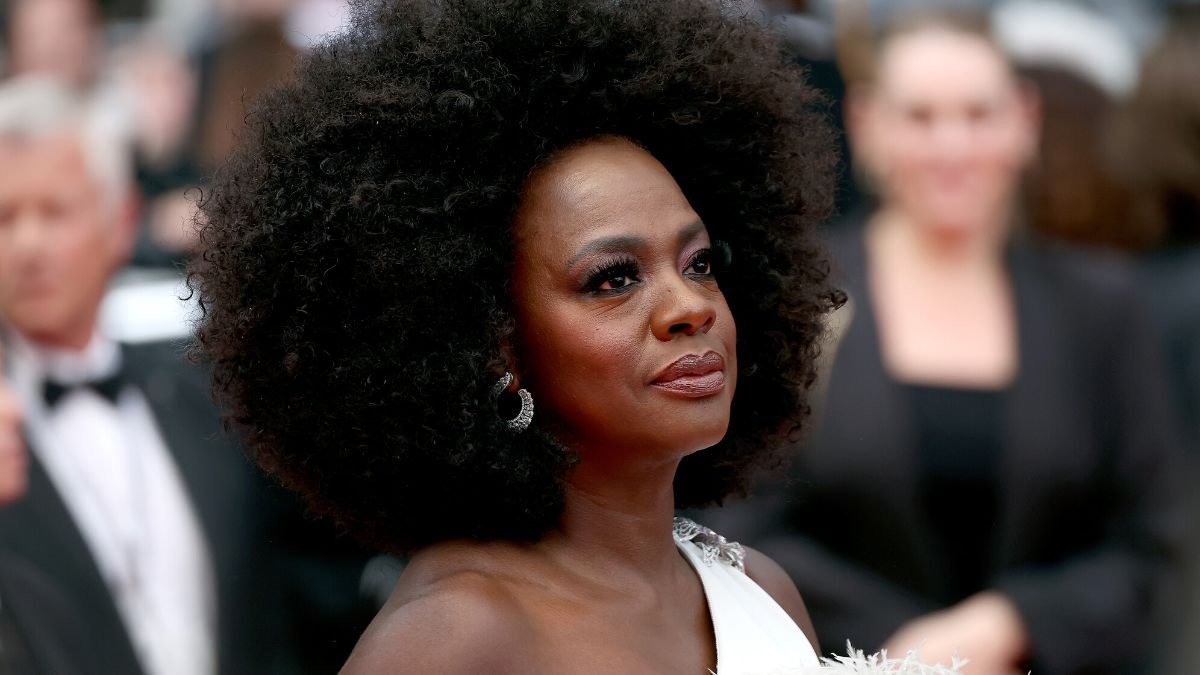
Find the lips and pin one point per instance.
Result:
(693, 376)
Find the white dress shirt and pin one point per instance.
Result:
(121, 485)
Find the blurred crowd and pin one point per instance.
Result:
(1009, 409)
(1007, 427)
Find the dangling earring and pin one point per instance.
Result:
(525, 416)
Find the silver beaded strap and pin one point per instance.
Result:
(712, 545)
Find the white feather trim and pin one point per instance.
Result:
(855, 662)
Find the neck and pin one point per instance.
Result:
(618, 516)
(945, 249)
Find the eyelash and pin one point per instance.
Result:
(718, 257)
(607, 270)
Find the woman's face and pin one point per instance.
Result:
(946, 129)
(13, 462)
(626, 342)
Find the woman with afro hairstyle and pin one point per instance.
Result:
(469, 286)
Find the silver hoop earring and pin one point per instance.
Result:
(525, 416)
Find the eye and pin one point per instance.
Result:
(709, 261)
(613, 276)
(701, 263)
(979, 113)
(920, 116)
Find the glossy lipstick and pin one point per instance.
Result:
(693, 376)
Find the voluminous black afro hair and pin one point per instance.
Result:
(355, 279)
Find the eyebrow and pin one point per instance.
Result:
(690, 231)
(623, 243)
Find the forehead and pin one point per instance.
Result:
(602, 187)
(51, 10)
(934, 64)
(50, 162)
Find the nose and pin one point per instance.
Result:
(682, 309)
(952, 138)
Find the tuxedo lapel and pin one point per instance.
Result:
(212, 468)
(39, 529)
(216, 476)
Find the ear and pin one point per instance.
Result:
(859, 110)
(127, 217)
(1029, 107)
(856, 108)
(511, 363)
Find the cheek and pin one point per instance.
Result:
(1008, 155)
(568, 350)
(87, 250)
(726, 329)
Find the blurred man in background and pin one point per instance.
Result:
(133, 509)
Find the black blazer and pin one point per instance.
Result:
(221, 486)
(1087, 477)
(41, 632)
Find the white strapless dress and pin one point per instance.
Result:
(754, 635)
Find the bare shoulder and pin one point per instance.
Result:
(462, 622)
(775, 581)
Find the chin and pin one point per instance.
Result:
(31, 318)
(952, 223)
(676, 435)
(38, 326)
(707, 433)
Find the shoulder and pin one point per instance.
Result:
(170, 354)
(167, 375)
(775, 581)
(463, 622)
(1084, 270)
(1097, 294)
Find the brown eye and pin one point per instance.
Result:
(613, 283)
(612, 277)
(700, 264)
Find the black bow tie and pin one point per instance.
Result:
(109, 388)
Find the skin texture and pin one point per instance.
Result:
(13, 459)
(60, 240)
(583, 599)
(947, 129)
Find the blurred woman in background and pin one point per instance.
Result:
(988, 475)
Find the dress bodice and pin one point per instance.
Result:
(754, 635)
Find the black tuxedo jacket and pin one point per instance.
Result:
(41, 631)
(1087, 477)
(221, 487)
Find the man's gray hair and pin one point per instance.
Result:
(35, 107)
